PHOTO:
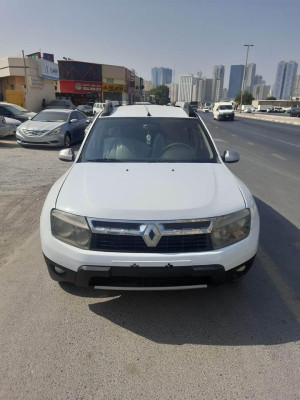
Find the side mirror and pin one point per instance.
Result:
(88, 121)
(230, 156)
(66, 155)
(72, 121)
(29, 117)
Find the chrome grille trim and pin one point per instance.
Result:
(101, 227)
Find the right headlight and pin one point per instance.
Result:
(231, 228)
(71, 229)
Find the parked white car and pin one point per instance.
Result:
(148, 204)
(98, 107)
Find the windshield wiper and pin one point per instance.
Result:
(104, 160)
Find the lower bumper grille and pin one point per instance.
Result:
(136, 244)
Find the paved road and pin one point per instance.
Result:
(230, 342)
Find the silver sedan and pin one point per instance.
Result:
(53, 127)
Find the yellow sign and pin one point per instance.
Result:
(113, 87)
(15, 97)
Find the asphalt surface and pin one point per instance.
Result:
(237, 341)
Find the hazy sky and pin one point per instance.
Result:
(185, 35)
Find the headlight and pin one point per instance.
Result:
(231, 228)
(71, 229)
(54, 131)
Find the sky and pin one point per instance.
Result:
(184, 35)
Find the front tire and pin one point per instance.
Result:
(67, 141)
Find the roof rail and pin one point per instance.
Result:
(107, 109)
(186, 106)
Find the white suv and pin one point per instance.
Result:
(148, 204)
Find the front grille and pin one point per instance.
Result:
(136, 244)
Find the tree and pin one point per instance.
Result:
(271, 98)
(161, 94)
(247, 98)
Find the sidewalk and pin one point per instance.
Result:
(270, 118)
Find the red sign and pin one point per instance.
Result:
(80, 86)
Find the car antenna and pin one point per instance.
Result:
(148, 113)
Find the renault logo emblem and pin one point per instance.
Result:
(151, 235)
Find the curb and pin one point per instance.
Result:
(289, 122)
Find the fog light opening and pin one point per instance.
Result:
(58, 270)
(241, 269)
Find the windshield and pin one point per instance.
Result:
(147, 140)
(225, 107)
(51, 116)
(15, 110)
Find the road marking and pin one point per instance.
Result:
(280, 283)
(277, 140)
(252, 144)
(233, 135)
(221, 140)
(278, 156)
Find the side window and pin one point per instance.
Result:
(4, 112)
(80, 116)
(73, 115)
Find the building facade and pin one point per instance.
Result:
(249, 77)
(186, 83)
(235, 80)
(218, 82)
(296, 92)
(261, 92)
(173, 91)
(285, 80)
(161, 76)
(27, 81)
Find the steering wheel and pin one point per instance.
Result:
(170, 146)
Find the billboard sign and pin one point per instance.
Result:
(80, 87)
(34, 55)
(48, 56)
(48, 69)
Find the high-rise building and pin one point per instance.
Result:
(186, 83)
(161, 76)
(258, 80)
(235, 80)
(218, 82)
(225, 94)
(249, 77)
(285, 80)
(208, 90)
(261, 92)
(296, 92)
(173, 94)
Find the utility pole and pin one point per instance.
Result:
(244, 73)
(25, 74)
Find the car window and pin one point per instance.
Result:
(148, 140)
(51, 116)
(225, 107)
(80, 115)
(13, 109)
(73, 115)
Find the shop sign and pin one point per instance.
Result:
(80, 87)
(36, 81)
(114, 87)
(48, 69)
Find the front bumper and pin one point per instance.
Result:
(45, 140)
(135, 277)
(226, 116)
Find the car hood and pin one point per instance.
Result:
(12, 121)
(40, 125)
(148, 191)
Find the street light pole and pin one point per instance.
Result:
(244, 73)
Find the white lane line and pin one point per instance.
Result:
(277, 140)
(233, 135)
(252, 144)
(278, 156)
(221, 140)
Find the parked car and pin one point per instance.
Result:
(4, 128)
(16, 112)
(247, 110)
(295, 112)
(98, 107)
(53, 127)
(61, 104)
(13, 124)
(86, 109)
(205, 110)
(149, 204)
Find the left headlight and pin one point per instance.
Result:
(54, 131)
(231, 228)
(71, 229)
